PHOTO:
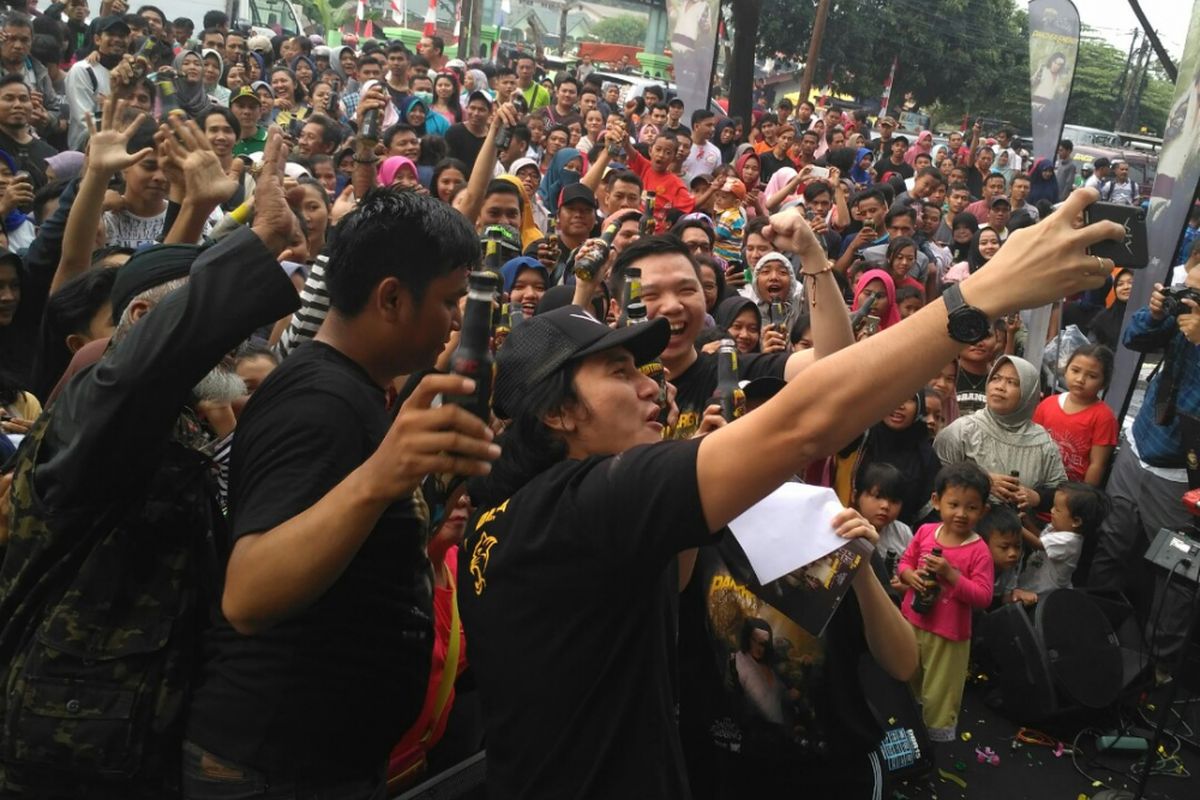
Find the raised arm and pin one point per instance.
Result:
(106, 157)
(206, 185)
(122, 409)
(470, 201)
(844, 393)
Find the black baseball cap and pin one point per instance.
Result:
(548, 342)
(578, 193)
(111, 22)
(1000, 200)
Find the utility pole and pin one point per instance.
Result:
(1163, 58)
(1130, 88)
(562, 28)
(814, 49)
(1122, 93)
(474, 29)
(1135, 108)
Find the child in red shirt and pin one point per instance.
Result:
(962, 578)
(1079, 422)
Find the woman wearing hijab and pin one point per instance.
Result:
(1042, 187)
(983, 246)
(748, 170)
(399, 172)
(189, 83)
(740, 318)
(416, 114)
(474, 81)
(214, 71)
(559, 176)
(923, 145)
(775, 282)
(1105, 327)
(860, 173)
(880, 282)
(963, 228)
(902, 440)
(256, 66)
(1003, 439)
(305, 70)
(724, 139)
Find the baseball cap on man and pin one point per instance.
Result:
(578, 193)
(114, 23)
(889, 120)
(245, 93)
(549, 342)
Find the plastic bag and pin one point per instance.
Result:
(1056, 355)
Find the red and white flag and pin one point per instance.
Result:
(430, 19)
(887, 90)
(360, 14)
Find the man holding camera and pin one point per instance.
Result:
(1150, 474)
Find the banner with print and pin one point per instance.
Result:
(1170, 200)
(1053, 48)
(694, 26)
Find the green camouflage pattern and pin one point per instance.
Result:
(101, 612)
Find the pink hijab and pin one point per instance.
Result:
(889, 287)
(392, 165)
(924, 145)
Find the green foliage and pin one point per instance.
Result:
(957, 57)
(625, 29)
(329, 14)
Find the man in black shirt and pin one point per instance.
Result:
(28, 151)
(322, 659)
(465, 139)
(567, 579)
(671, 288)
(894, 160)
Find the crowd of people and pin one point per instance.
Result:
(256, 543)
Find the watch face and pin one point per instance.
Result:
(969, 325)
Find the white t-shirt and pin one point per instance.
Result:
(894, 537)
(701, 160)
(125, 229)
(1122, 193)
(1052, 568)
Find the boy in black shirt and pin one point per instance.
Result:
(321, 660)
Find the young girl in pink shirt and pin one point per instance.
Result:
(957, 580)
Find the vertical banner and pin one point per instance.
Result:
(887, 89)
(693, 48)
(1053, 48)
(1170, 201)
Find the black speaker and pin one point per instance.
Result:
(1081, 648)
(1063, 656)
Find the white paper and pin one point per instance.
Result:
(788, 529)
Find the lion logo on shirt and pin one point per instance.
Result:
(479, 560)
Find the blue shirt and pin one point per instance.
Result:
(1162, 445)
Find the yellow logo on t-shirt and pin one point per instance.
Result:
(479, 560)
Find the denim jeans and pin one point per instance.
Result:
(209, 777)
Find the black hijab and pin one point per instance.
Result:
(910, 451)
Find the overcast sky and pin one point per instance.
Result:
(1115, 21)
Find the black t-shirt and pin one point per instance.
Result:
(970, 391)
(568, 601)
(327, 692)
(791, 706)
(696, 386)
(463, 144)
(885, 166)
(30, 156)
(769, 164)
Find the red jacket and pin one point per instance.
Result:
(668, 188)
